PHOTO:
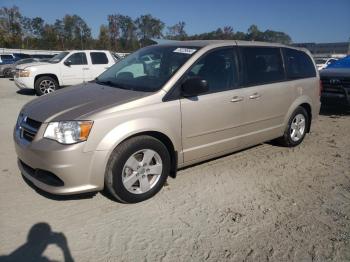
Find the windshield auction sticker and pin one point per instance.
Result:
(184, 50)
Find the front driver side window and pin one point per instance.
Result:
(218, 68)
(78, 59)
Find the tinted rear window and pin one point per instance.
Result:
(263, 65)
(6, 57)
(298, 64)
(22, 56)
(98, 58)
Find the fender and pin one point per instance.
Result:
(133, 127)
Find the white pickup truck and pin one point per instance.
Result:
(65, 69)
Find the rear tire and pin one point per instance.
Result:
(137, 169)
(45, 85)
(7, 72)
(296, 129)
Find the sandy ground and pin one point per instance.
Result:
(266, 203)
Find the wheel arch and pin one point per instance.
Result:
(168, 144)
(161, 137)
(306, 103)
(307, 107)
(130, 129)
(47, 74)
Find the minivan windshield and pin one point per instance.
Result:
(148, 69)
(58, 58)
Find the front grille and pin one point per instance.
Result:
(336, 84)
(28, 128)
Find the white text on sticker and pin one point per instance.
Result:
(184, 50)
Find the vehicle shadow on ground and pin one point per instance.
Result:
(40, 236)
(59, 197)
(26, 92)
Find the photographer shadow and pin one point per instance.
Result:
(39, 238)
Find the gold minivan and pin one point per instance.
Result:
(162, 108)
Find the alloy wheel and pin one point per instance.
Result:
(297, 127)
(47, 86)
(142, 171)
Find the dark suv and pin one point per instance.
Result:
(336, 83)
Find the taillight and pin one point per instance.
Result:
(321, 88)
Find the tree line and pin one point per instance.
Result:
(120, 33)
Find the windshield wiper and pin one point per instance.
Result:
(109, 83)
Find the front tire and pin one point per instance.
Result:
(137, 169)
(297, 127)
(45, 85)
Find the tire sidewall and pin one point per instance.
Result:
(118, 160)
(38, 81)
(7, 72)
(287, 137)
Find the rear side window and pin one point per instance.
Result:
(263, 65)
(98, 58)
(298, 64)
(78, 59)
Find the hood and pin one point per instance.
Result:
(23, 66)
(341, 63)
(74, 102)
(335, 72)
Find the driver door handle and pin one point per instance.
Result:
(86, 68)
(254, 96)
(237, 99)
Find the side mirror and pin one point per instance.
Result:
(67, 62)
(194, 86)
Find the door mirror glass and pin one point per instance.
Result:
(68, 62)
(194, 86)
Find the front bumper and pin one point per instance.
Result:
(78, 171)
(341, 99)
(24, 82)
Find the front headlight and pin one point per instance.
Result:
(24, 73)
(19, 120)
(68, 132)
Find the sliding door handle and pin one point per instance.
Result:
(254, 96)
(237, 99)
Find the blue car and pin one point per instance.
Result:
(341, 63)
